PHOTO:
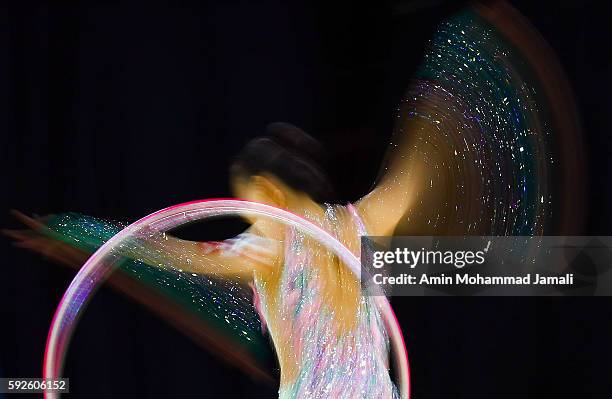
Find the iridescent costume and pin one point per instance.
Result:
(353, 365)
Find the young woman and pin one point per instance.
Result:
(329, 339)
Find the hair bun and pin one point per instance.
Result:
(289, 153)
(297, 140)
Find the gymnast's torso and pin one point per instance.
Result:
(330, 340)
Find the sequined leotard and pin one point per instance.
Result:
(326, 363)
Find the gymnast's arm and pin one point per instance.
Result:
(236, 257)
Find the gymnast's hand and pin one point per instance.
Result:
(34, 239)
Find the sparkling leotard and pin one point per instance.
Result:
(352, 364)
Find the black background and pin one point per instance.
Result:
(119, 108)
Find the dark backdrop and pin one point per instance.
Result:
(120, 108)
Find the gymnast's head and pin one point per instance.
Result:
(281, 168)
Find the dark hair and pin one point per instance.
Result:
(290, 154)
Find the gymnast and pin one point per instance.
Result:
(468, 156)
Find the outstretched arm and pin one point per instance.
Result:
(238, 257)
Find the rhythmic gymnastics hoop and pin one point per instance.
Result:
(94, 271)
